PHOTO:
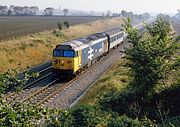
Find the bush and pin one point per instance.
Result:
(60, 26)
(129, 102)
(58, 33)
(10, 81)
(151, 58)
(173, 122)
(66, 24)
(20, 115)
(80, 116)
(124, 121)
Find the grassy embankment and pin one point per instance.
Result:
(118, 78)
(36, 48)
(161, 104)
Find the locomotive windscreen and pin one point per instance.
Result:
(57, 53)
(63, 53)
(68, 54)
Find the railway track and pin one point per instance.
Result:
(44, 70)
(40, 95)
(67, 94)
(47, 92)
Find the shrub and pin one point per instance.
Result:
(23, 115)
(124, 121)
(58, 33)
(13, 81)
(66, 24)
(150, 58)
(80, 116)
(23, 45)
(122, 102)
(60, 26)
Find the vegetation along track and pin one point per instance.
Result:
(46, 91)
(45, 74)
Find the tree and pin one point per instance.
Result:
(124, 13)
(3, 10)
(103, 15)
(65, 10)
(178, 10)
(49, 11)
(34, 10)
(26, 10)
(108, 13)
(164, 17)
(9, 12)
(151, 58)
(18, 10)
(147, 15)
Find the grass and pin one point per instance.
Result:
(36, 48)
(116, 78)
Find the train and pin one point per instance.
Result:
(70, 58)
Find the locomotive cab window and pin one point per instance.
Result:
(64, 53)
(69, 54)
(57, 53)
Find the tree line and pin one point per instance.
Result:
(27, 11)
(127, 14)
(18, 10)
(49, 11)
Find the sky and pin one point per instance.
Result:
(137, 6)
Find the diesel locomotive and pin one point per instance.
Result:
(72, 57)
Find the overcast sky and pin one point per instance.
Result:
(137, 6)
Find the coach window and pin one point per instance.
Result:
(114, 38)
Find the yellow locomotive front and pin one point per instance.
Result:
(65, 61)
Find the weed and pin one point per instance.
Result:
(58, 33)
(23, 45)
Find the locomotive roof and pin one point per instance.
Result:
(113, 31)
(81, 42)
(92, 37)
(72, 44)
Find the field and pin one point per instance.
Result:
(33, 49)
(12, 26)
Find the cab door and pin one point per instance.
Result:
(79, 54)
(105, 46)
